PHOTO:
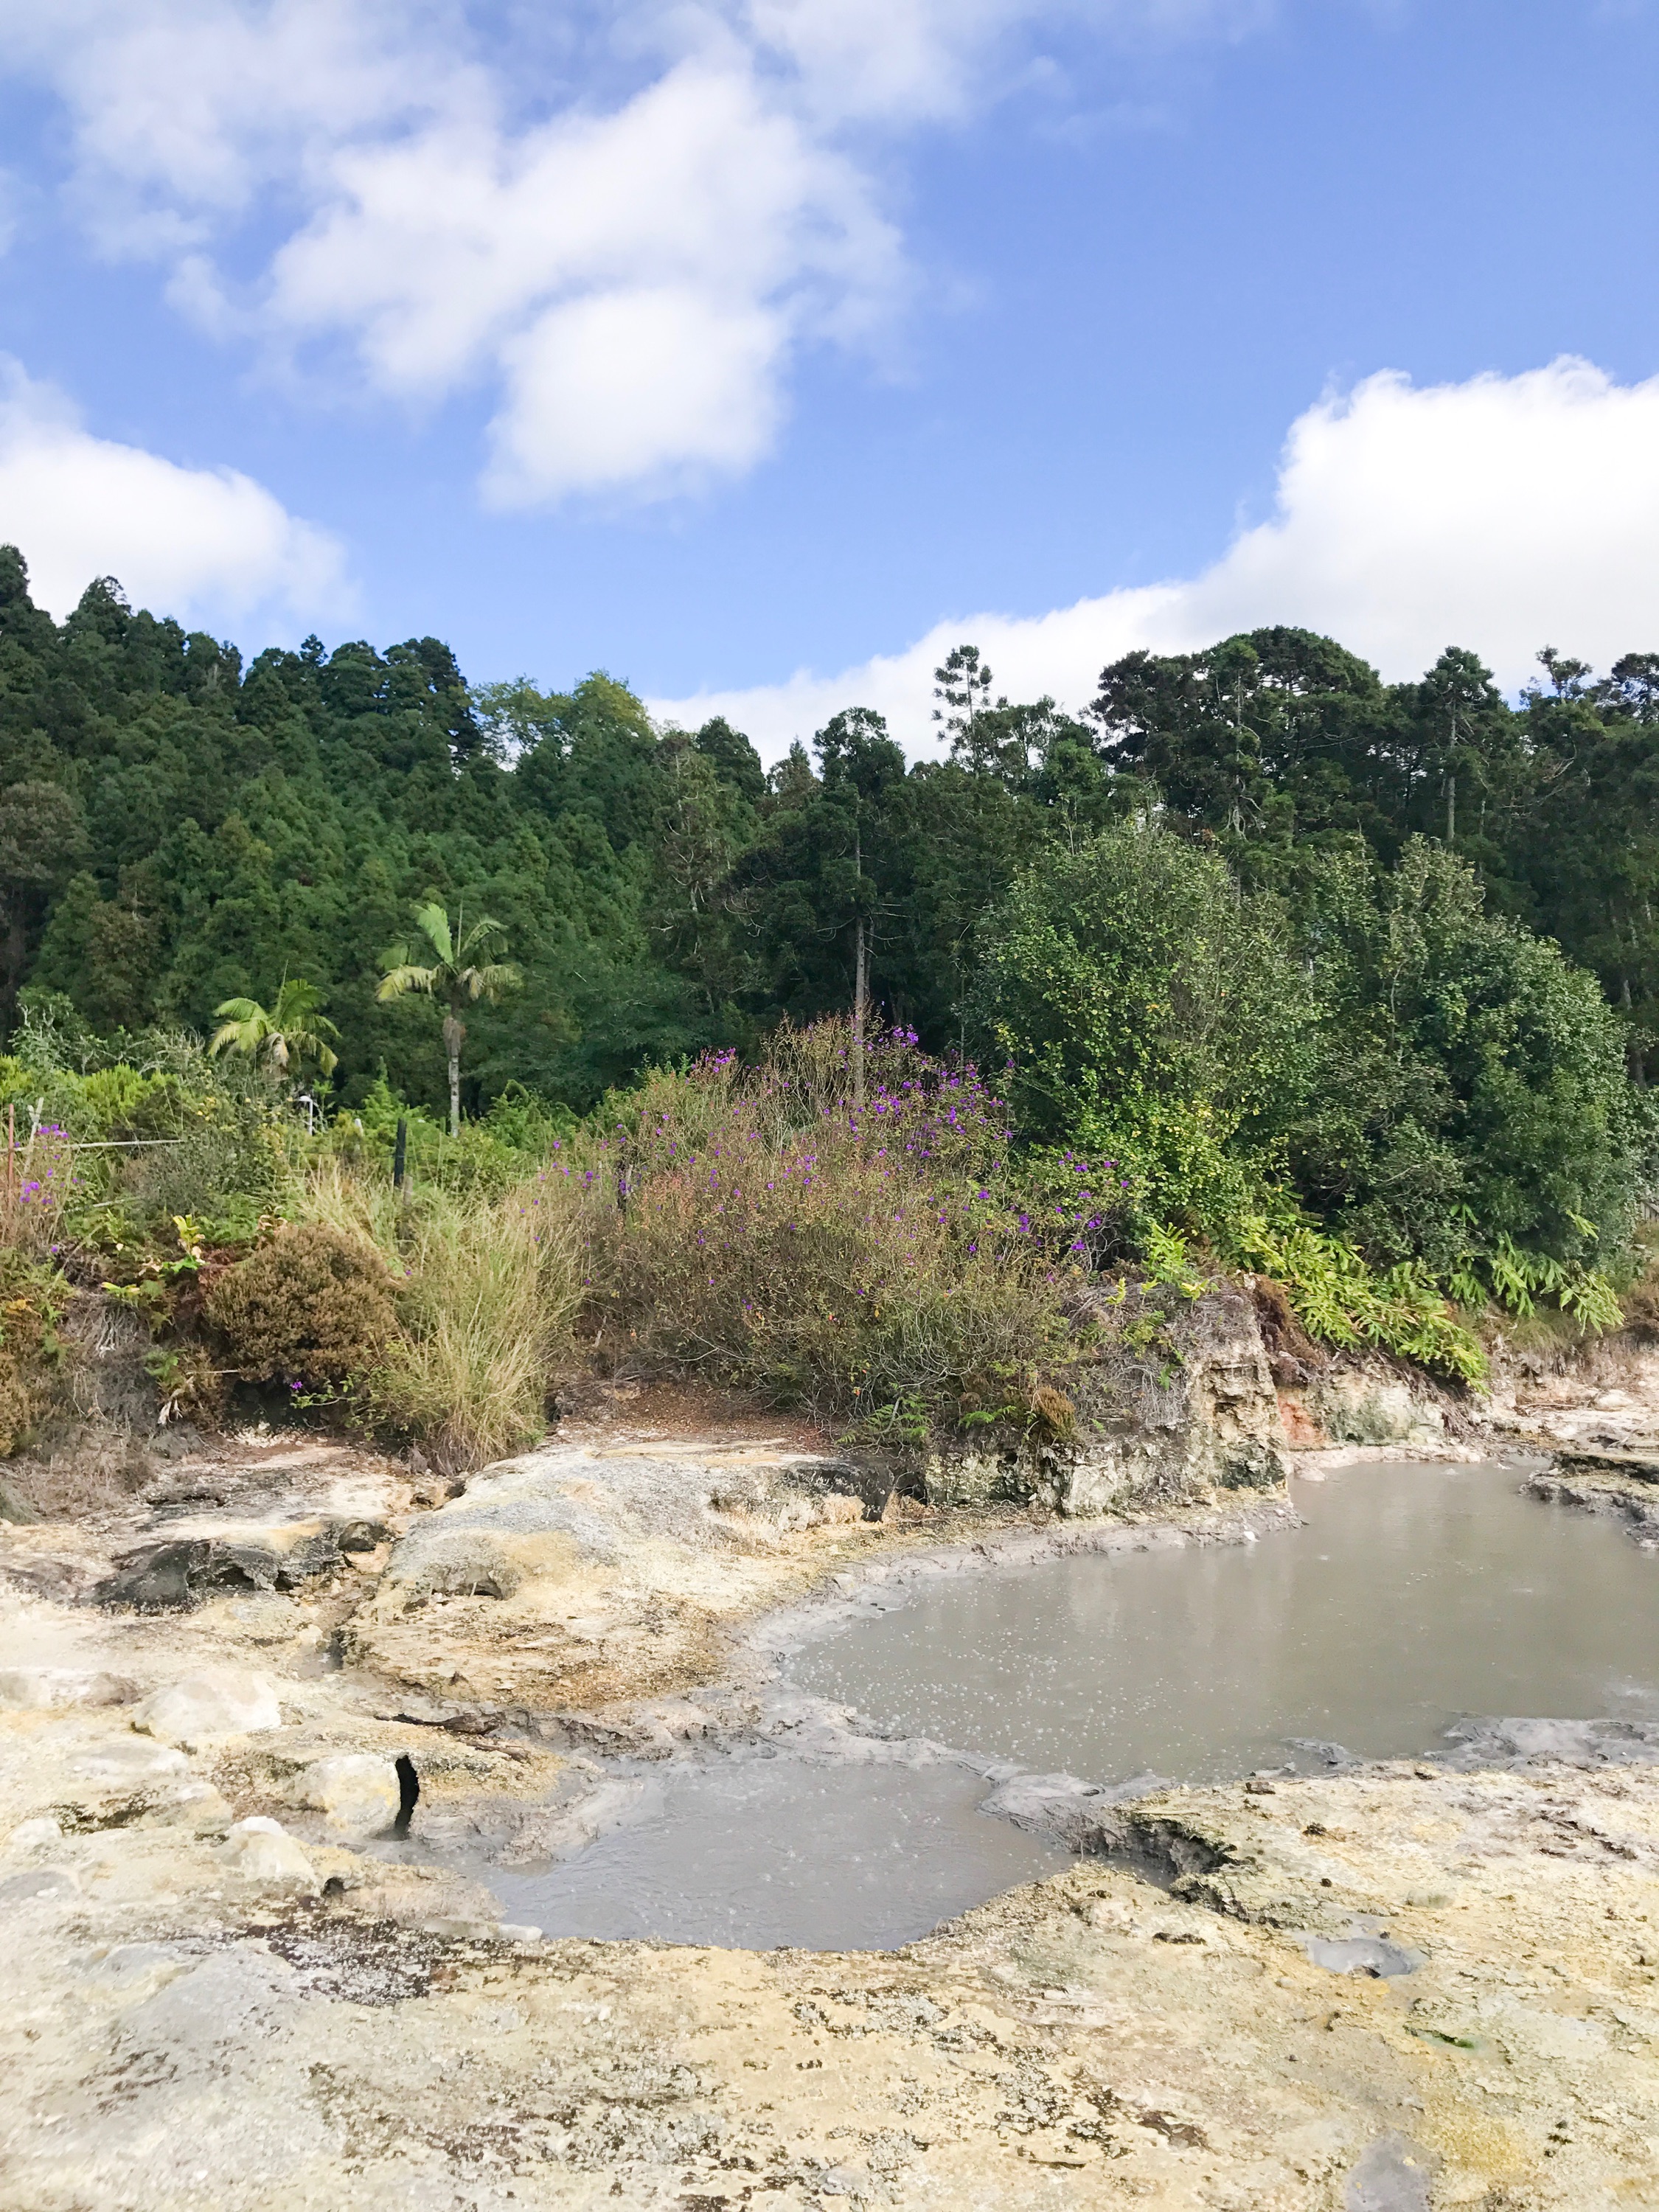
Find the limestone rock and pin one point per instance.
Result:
(37, 1835)
(1355, 1406)
(356, 1790)
(36, 1688)
(218, 1701)
(261, 1850)
(1176, 1400)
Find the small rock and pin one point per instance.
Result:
(217, 1701)
(39, 1881)
(36, 1835)
(262, 1850)
(33, 1688)
(356, 1790)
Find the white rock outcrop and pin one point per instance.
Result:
(43, 1688)
(356, 1791)
(260, 1850)
(218, 1701)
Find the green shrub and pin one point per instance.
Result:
(312, 1307)
(1152, 1014)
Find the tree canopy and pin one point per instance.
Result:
(1397, 942)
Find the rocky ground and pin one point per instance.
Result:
(1407, 1987)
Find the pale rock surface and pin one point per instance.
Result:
(356, 1791)
(182, 2033)
(1178, 1402)
(260, 1850)
(219, 1701)
(30, 1836)
(36, 1688)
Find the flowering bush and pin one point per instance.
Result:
(39, 1178)
(858, 1246)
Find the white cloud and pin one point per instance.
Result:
(1503, 514)
(626, 219)
(207, 542)
(589, 405)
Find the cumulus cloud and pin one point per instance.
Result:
(1503, 514)
(210, 542)
(628, 221)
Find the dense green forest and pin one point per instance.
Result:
(1258, 923)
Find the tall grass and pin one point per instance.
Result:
(485, 1291)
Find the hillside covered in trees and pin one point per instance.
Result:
(1257, 923)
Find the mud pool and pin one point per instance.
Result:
(754, 1853)
(1414, 1597)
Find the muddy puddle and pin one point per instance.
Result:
(753, 1853)
(1413, 1598)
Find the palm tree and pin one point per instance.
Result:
(287, 1034)
(456, 976)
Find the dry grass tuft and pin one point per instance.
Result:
(483, 1294)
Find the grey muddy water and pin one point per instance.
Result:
(1412, 1597)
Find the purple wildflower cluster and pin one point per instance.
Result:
(42, 1168)
(735, 1171)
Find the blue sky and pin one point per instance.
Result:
(749, 348)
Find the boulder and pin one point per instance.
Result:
(356, 1791)
(218, 1701)
(261, 1850)
(172, 1574)
(38, 1688)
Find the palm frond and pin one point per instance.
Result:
(486, 983)
(433, 925)
(404, 977)
(482, 927)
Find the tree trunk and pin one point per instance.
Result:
(860, 987)
(454, 1035)
(861, 980)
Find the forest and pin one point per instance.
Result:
(1278, 965)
